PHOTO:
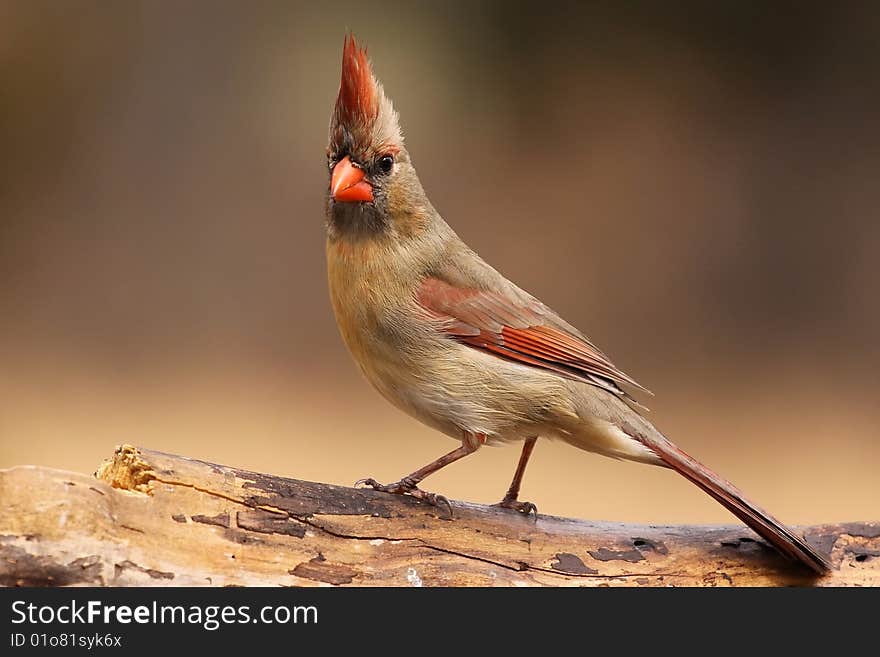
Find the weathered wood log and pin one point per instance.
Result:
(149, 518)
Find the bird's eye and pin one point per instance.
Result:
(385, 163)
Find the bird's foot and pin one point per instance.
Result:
(523, 507)
(407, 486)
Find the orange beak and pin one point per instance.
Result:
(347, 183)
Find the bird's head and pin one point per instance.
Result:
(372, 182)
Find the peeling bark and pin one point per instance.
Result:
(153, 519)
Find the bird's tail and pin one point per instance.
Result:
(765, 525)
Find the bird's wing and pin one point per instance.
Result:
(514, 325)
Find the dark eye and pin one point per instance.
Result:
(385, 163)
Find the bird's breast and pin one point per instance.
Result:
(374, 304)
(391, 338)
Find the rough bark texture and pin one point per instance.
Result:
(148, 518)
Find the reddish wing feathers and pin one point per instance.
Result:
(357, 103)
(520, 330)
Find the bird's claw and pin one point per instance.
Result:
(526, 508)
(433, 499)
(406, 487)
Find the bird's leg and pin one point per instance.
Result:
(470, 443)
(510, 500)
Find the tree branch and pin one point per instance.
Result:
(150, 518)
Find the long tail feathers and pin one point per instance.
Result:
(765, 525)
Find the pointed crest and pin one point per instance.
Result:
(357, 101)
(364, 118)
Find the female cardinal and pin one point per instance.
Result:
(449, 340)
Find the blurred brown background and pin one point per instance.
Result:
(695, 186)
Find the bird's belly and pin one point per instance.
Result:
(455, 389)
(420, 392)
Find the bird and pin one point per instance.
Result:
(446, 338)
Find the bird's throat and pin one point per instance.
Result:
(355, 221)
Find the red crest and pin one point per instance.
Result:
(357, 103)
